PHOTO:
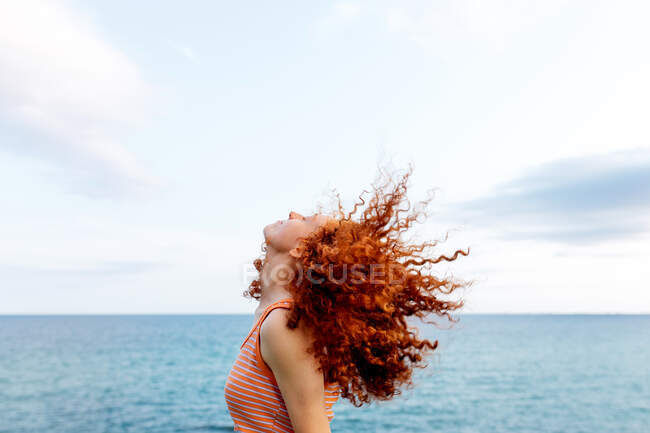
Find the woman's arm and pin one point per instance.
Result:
(301, 384)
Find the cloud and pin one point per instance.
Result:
(185, 51)
(583, 199)
(347, 10)
(66, 95)
(434, 24)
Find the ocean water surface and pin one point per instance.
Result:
(166, 373)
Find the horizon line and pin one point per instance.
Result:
(504, 313)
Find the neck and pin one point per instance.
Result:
(274, 275)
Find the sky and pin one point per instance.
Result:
(145, 145)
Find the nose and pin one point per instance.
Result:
(295, 215)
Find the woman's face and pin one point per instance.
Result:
(283, 235)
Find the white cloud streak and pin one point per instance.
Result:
(347, 10)
(71, 94)
(185, 51)
(490, 23)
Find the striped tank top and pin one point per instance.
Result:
(252, 394)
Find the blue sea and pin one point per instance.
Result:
(166, 374)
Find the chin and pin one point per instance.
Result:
(267, 230)
(270, 229)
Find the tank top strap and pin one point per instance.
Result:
(282, 303)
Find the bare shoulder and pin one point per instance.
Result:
(282, 346)
(276, 320)
(275, 324)
(277, 336)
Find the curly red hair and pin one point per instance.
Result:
(361, 339)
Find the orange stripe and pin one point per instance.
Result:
(250, 384)
(255, 408)
(284, 427)
(264, 417)
(255, 399)
(243, 423)
(242, 364)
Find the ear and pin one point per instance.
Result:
(293, 252)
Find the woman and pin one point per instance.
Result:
(334, 294)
